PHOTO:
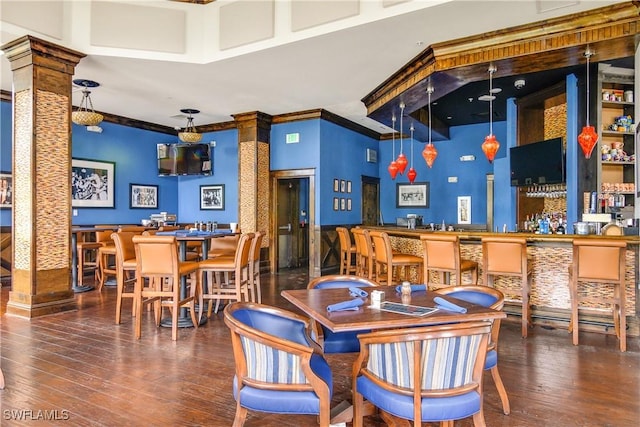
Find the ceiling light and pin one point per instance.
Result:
(84, 115)
(430, 153)
(490, 145)
(588, 137)
(519, 84)
(189, 133)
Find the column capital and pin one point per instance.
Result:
(28, 50)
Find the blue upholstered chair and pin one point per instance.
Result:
(492, 298)
(337, 342)
(427, 374)
(279, 368)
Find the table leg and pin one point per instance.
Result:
(75, 287)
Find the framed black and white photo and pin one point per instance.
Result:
(336, 185)
(349, 204)
(464, 210)
(143, 196)
(343, 186)
(414, 195)
(348, 186)
(6, 190)
(336, 204)
(212, 197)
(343, 204)
(92, 183)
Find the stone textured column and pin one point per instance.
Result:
(41, 231)
(254, 130)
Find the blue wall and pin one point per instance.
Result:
(443, 200)
(5, 152)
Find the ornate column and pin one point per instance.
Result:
(254, 130)
(42, 72)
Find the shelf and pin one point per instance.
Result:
(616, 104)
(617, 163)
(616, 133)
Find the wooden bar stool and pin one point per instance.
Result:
(386, 260)
(364, 253)
(441, 253)
(507, 256)
(347, 250)
(599, 261)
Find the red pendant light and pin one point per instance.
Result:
(393, 166)
(412, 174)
(588, 138)
(429, 153)
(490, 145)
(402, 159)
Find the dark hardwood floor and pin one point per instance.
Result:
(82, 369)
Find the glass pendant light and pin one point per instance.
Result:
(393, 166)
(412, 174)
(490, 145)
(429, 153)
(588, 138)
(402, 159)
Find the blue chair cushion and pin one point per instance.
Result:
(479, 298)
(491, 360)
(278, 326)
(340, 342)
(433, 409)
(286, 402)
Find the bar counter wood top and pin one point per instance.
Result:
(550, 255)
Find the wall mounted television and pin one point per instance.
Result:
(185, 159)
(540, 162)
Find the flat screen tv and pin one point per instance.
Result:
(184, 159)
(538, 163)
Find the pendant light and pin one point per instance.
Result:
(189, 133)
(84, 115)
(393, 166)
(412, 174)
(402, 159)
(429, 153)
(490, 145)
(588, 138)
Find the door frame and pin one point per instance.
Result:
(314, 231)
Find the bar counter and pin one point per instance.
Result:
(551, 255)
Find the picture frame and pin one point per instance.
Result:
(464, 209)
(336, 185)
(414, 195)
(6, 190)
(343, 204)
(349, 204)
(212, 197)
(143, 196)
(343, 186)
(348, 186)
(336, 204)
(92, 183)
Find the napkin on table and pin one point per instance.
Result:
(357, 292)
(414, 288)
(352, 304)
(443, 304)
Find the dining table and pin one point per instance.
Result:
(365, 317)
(183, 237)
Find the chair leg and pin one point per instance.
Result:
(120, 290)
(506, 407)
(620, 313)
(478, 419)
(241, 416)
(138, 302)
(358, 403)
(526, 312)
(573, 326)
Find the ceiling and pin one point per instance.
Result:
(330, 66)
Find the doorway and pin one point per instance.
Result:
(293, 225)
(371, 201)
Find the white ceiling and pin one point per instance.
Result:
(330, 66)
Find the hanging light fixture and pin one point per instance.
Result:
(412, 174)
(588, 138)
(189, 133)
(490, 145)
(393, 166)
(429, 153)
(401, 161)
(84, 115)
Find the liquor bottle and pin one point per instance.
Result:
(560, 229)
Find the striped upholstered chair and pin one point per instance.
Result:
(279, 368)
(428, 374)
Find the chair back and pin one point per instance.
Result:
(125, 248)
(224, 245)
(364, 252)
(333, 281)
(441, 252)
(104, 237)
(243, 250)
(504, 255)
(601, 260)
(443, 361)
(135, 228)
(346, 250)
(254, 251)
(383, 256)
(157, 256)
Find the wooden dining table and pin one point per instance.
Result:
(314, 303)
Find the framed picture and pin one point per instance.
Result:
(336, 185)
(343, 186)
(343, 204)
(464, 210)
(6, 190)
(336, 204)
(143, 196)
(92, 184)
(349, 204)
(212, 197)
(414, 195)
(348, 186)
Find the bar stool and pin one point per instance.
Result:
(386, 259)
(106, 257)
(599, 261)
(441, 253)
(347, 250)
(507, 256)
(364, 252)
